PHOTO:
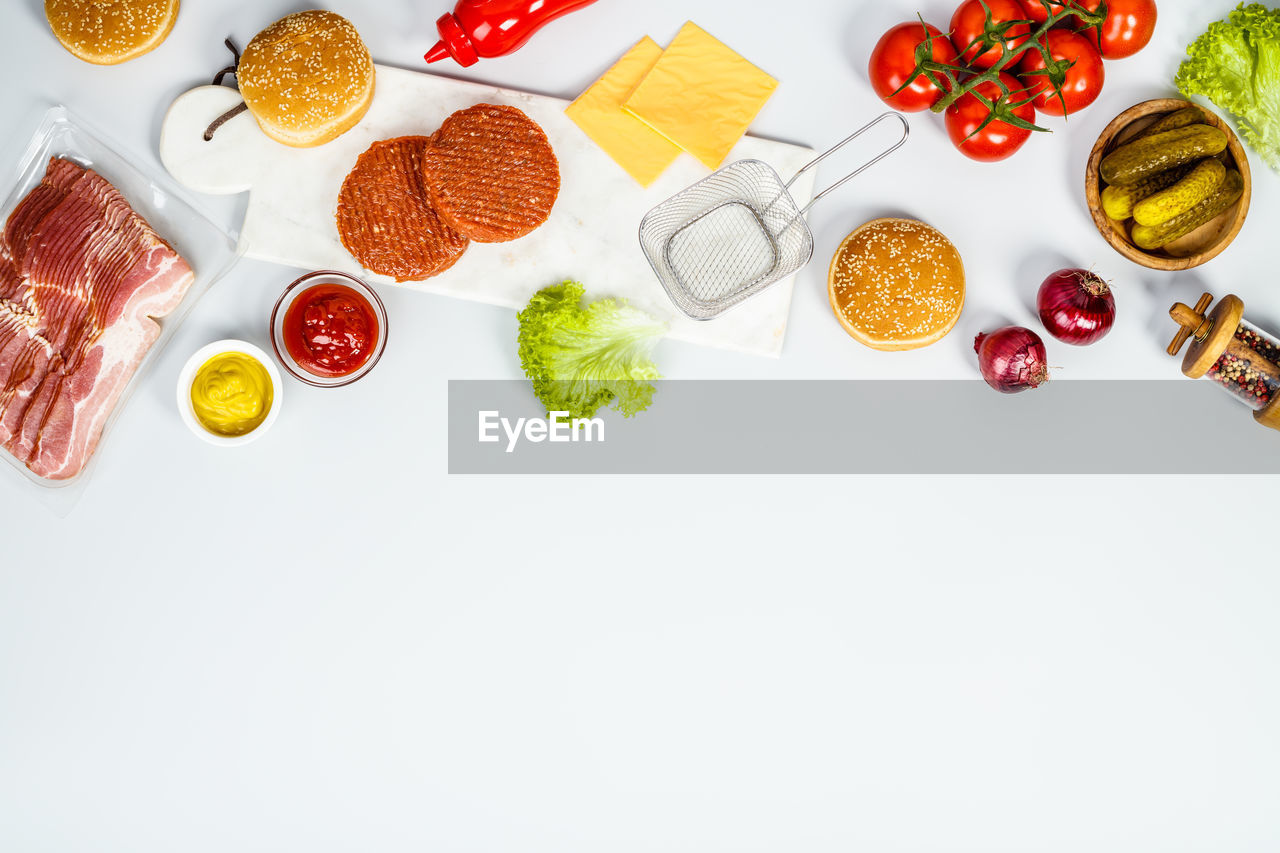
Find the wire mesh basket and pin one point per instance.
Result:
(737, 231)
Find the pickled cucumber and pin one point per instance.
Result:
(1200, 183)
(1118, 202)
(1171, 121)
(1134, 161)
(1153, 237)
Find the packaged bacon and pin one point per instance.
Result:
(99, 263)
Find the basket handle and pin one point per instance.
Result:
(906, 131)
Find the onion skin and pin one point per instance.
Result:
(1076, 306)
(1012, 359)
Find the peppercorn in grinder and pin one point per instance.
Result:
(1235, 354)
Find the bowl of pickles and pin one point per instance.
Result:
(1168, 184)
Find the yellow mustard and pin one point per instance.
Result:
(231, 394)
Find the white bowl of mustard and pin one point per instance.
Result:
(229, 393)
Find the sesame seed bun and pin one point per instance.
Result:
(107, 32)
(307, 78)
(896, 284)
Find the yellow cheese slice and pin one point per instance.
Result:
(701, 95)
(639, 149)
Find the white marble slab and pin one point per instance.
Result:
(591, 235)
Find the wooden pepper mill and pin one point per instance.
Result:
(1238, 356)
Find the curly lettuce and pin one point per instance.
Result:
(583, 357)
(1236, 64)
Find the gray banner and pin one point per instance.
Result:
(868, 427)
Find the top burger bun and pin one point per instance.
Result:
(896, 284)
(307, 78)
(107, 32)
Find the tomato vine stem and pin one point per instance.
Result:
(961, 80)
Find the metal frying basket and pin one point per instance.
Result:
(737, 231)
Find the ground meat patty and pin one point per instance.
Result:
(386, 218)
(492, 173)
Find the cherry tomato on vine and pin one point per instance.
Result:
(1127, 30)
(894, 58)
(1036, 10)
(998, 139)
(969, 22)
(1084, 78)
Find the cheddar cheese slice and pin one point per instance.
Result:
(701, 95)
(635, 146)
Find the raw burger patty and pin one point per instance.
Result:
(386, 218)
(492, 173)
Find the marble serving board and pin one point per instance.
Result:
(591, 236)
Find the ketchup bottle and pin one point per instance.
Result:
(491, 28)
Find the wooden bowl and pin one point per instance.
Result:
(1201, 245)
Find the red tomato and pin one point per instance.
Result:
(1084, 78)
(1128, 28)
(998, 139)
(969, 22)
(1036, 10)
(1126, 31)
(893, 60)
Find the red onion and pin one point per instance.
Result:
(1076, 306)
(1012, 359)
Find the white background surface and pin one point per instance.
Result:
(323, 642)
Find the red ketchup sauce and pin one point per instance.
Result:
(330, 330)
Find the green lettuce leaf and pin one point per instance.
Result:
(583, 357)
(1236, 64)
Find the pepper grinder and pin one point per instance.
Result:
(1238, 356)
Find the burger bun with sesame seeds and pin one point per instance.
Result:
(896, 284)
(108, 32)
(307, 78)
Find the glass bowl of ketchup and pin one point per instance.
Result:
(328, 329)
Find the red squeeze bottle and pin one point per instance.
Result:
(491, 28)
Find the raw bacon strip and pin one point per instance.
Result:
(81, 277)
(73, 422)
(25, 361)
(24, 355)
